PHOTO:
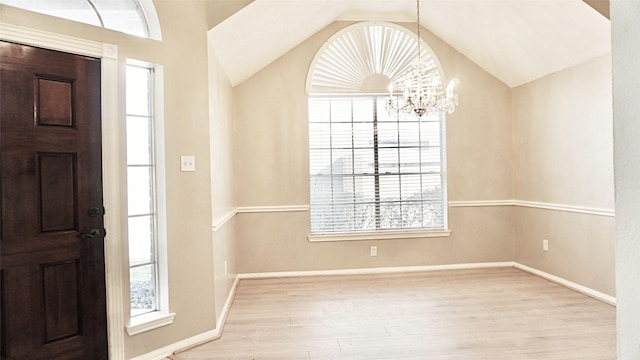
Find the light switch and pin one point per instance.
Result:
(187, 163)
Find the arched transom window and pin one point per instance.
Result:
(372, 169)
(135, 17)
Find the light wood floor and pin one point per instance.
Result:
(500, 313)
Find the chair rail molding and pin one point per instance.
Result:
(221, 220)
(535, 204)
(277, 208)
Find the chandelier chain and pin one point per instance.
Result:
(418, 26)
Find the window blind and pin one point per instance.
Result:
(374, 171)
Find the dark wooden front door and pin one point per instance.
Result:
(52, 274)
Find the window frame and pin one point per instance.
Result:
(363, 58)
(160, 315)
(403, 233)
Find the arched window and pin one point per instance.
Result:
(372, 169)
(135, 17)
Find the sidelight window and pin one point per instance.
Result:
(145, 199)
(141, 192)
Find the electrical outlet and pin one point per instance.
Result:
(545, 244)
(374, 251)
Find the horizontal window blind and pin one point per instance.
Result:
(371, 170)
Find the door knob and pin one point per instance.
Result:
(93, 233)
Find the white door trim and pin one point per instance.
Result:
(108, 53)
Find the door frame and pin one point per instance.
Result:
(112, 184)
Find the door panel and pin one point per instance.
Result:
(57, 198)
(54, 106)
(52, 278)
(60, 289)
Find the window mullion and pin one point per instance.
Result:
(332, 181)
(353, 169)
(141, 264)
(400, 203)
(376, 167)
(421, 172)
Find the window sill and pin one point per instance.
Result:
(150, 321)
(380, 235)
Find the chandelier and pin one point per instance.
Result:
(422, 89)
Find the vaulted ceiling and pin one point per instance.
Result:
(515, 40)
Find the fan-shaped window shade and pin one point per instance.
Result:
(135, 17)
(372, 170)
(364, 57)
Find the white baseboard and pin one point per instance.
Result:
(197, 340)
(221, 320)
(192, 342)
(163, 353)
(569, 284)
(227, 305)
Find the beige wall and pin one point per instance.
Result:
(625, 23)
(563, 154)
(271, 159)
(222, 179)
(563, 142)
(274, 242)
(183, 54)
(581, 246)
